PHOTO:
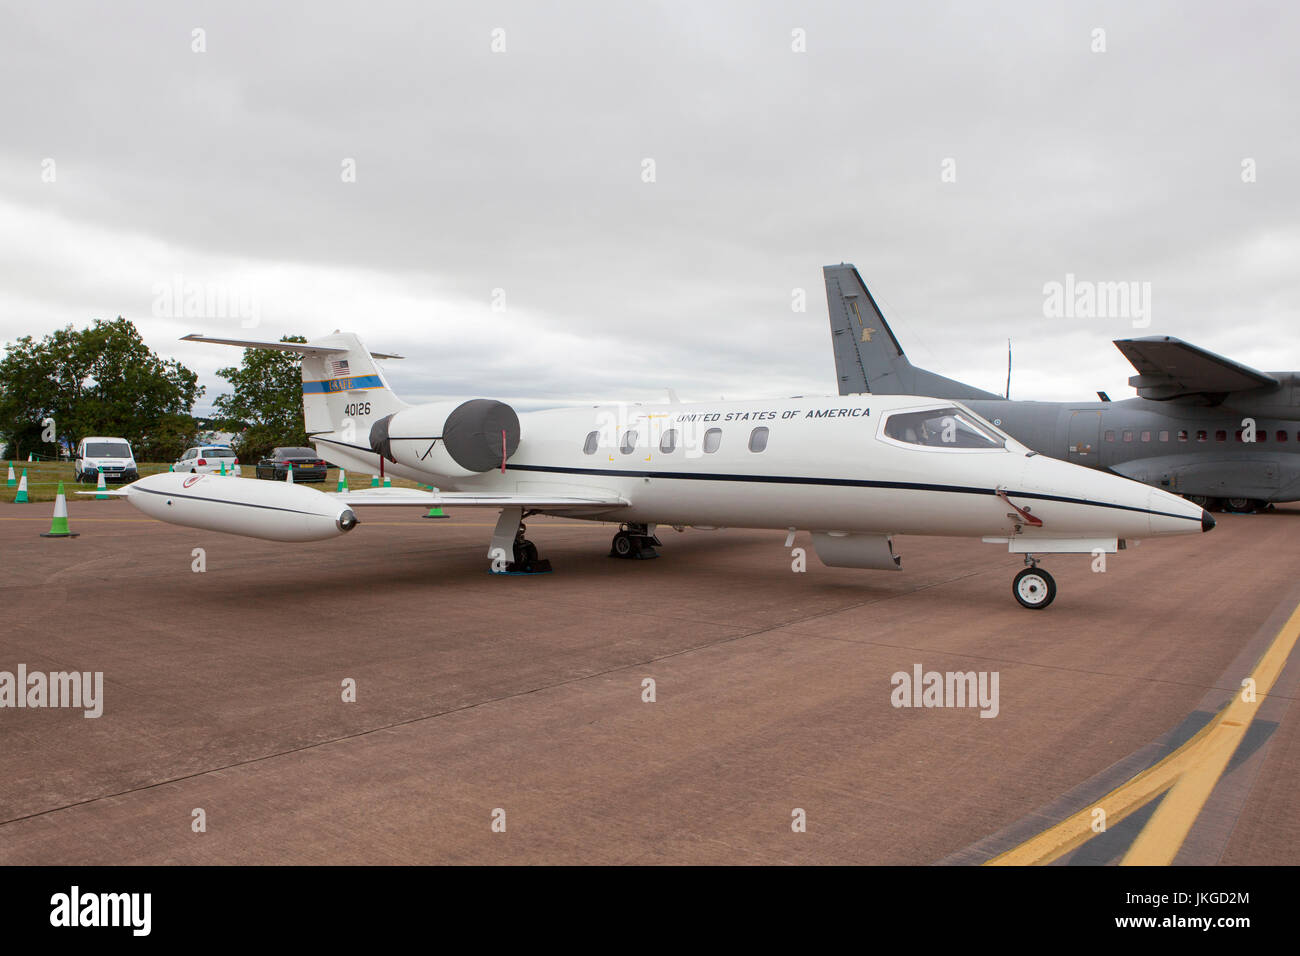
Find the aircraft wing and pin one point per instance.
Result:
(395, 497)
(1170, 369)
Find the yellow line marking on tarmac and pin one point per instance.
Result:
(1189, 774)
(1161, 838)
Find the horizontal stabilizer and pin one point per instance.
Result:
(301, 348)
(1170, 369)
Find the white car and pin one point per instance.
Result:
(207, 460)
(112, 456)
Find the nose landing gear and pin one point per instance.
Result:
(1033, 587)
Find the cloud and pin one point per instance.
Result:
(522, 171)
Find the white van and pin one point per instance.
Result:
(112, 456)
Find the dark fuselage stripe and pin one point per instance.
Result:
(235, 504)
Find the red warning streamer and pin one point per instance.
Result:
(1023, 512)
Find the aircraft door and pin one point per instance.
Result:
(1083, 439)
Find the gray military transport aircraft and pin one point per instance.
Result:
(1203, 426)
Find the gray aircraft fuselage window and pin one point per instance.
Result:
(592, 442)
(668, 442)
(940, 428)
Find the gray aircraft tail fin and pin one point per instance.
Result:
(868, 357)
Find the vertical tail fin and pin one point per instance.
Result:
(343, 390)
(868, 357)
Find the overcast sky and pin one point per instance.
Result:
(129, 162)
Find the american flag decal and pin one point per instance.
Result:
(338, 368)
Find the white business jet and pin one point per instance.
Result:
(854, 470)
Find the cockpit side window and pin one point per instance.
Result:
(941, 428)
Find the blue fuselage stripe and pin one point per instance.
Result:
(342, 384)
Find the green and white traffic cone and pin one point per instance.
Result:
(223, 469)
(171, 468)
(374, 481)
(388, 482)
(21, 497)
(435, 511)
(59, 526)
(101, 489)
(11, 481)
(343, 481)
(288, 472)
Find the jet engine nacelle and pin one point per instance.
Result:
(457, 439)
(274, 510)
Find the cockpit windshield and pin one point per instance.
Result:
(949, 427)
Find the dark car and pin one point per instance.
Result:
(307, 465)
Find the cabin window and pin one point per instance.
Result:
(1281, 435)
(758, 438)
(1110, 435)
(1182, 434)
(668, 441)
(1239, 438)
(942, 428)
(1164, 434)
(592, 442)
(1221, 435)
(712, 440)
(1146, 436)
(1128, 435)
(1261, 435)
(629, 442)
(1202, 435)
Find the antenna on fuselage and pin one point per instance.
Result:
(1008, 369)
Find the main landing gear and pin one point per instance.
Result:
(1033, 587)
(509, 541)
(635, 541)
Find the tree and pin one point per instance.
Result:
(267, 401)
(102, 380)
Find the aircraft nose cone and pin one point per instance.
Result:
(1207, 521)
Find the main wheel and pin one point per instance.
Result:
(525, 554)
(1239, 505)
(1034, 588)
(623, 544)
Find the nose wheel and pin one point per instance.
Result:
(1034, 588)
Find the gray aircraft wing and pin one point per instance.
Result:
(1171, 370)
